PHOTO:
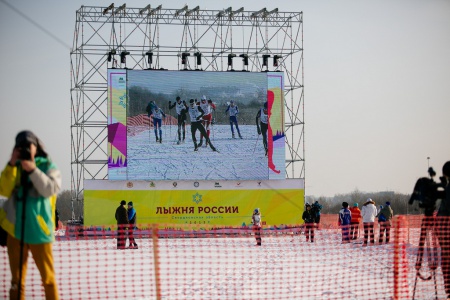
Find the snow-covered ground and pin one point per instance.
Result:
(236, 159)
(227, 267)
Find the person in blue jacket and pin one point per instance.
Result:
(345, 218)
(131, 225)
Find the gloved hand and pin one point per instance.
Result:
(170, 102)
(259, 131)
(199, 118)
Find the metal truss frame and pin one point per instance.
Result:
(177, 39)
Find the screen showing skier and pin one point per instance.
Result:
(188, 125)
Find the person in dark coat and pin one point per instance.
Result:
(132, 224)
(122, 224)
(309, 218)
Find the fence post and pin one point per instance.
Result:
(401, 290)
(156, 261)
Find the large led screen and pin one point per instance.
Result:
(225, 125)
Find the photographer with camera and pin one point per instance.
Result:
(443, 226)
(31, 182)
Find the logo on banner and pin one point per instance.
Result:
(259, 183)
(174, 184)
(217, 185)
(197, 198)
(196, 184)
(152, 184)
(129, 184)
(238, 184)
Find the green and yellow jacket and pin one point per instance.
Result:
(43, 184)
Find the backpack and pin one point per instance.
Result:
(382, 218)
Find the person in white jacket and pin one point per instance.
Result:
(368, 213)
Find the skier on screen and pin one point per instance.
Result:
(195, 114)
(181, 109)
(207, 106)
(262, 123)
(233, 111)
(157, 114)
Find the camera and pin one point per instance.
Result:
(426, 192)
(24, 152)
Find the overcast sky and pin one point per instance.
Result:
(377, 85)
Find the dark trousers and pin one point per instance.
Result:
(131, 236)
(345, 233)
(385, 229)
(264, 128)
(121, 235)
(181, 126)
(257, 231)
(368, 233)
(199, 126)
(309, 231)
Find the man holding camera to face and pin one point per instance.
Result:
(31, 182)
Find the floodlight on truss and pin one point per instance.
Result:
(149, 55)
(109, 8)
(178, 12)
(120, 8)
(111, 54)
(155, 9)
(257, 13)
(237, 11)
(268, 13)
(276, 57)
(196, 9)
(198, 55)
(147, 8)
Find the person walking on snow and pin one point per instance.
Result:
(368, 213)
(132, 224)
(195, 114)
(233, 111)
(158, 114)
(122, 224)
(384, 219)
(256, 221)
(208, 107)
(345, 218)
(309, 219)
(181, 108)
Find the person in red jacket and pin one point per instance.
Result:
(356, 219)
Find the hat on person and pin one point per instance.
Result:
(123, 202)
(130, 203)
(191, 101)
(344, 204)
(307, 204)
(203, 97)
(231, 101)
(355, 204)
(368, 200)
(256, 210)
(388, 203)
(25, 138)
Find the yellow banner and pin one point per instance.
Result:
(205, 207)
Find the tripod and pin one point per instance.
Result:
(427, 255)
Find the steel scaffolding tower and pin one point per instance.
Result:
(177, 39)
